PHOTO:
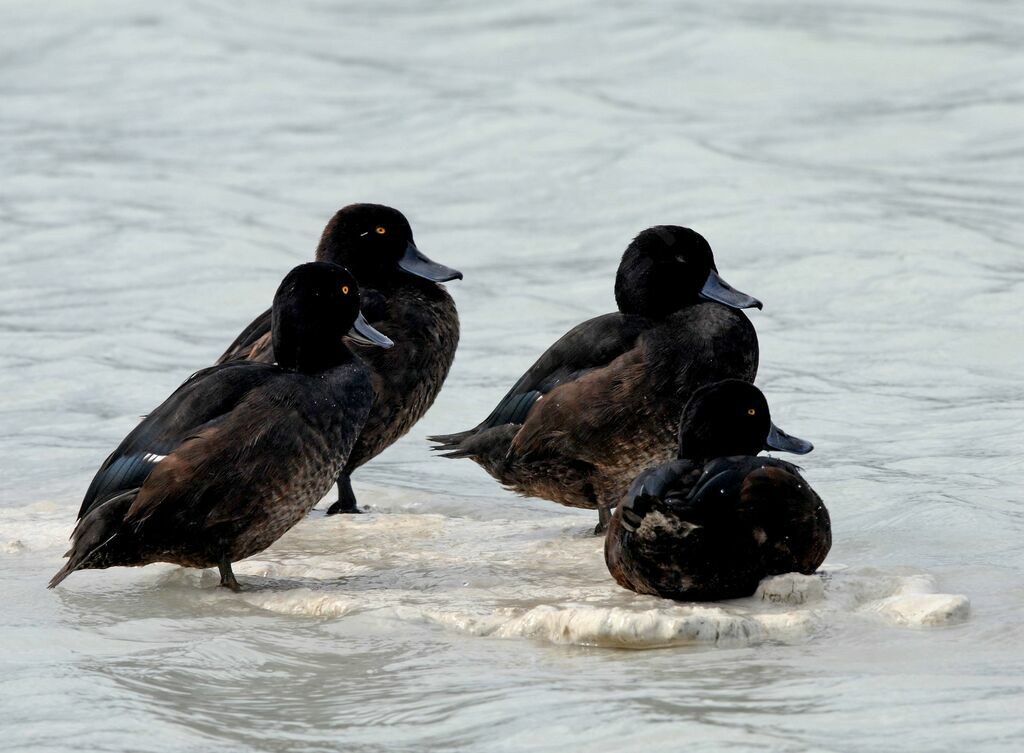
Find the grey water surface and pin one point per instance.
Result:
(858, 166)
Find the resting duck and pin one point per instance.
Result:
(241, 452)
(401, 296)
(605, 398)
(713, 523)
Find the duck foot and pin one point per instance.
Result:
(604, 516)
(227, 577)
(346, 504)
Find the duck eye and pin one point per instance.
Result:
(381, 230)
(344, 289)
(751, 412)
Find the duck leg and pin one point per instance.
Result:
(346, 498)
(604, 517)
(346, 503)
(227, 577)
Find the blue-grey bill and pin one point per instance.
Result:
(364, 334)
(415, 263)
(783, 442)
(717, 289)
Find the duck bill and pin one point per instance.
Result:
(783, 442)
(364, 334)
(415, 263)
(717, 289)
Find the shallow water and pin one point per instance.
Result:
(858, 167)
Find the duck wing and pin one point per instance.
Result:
(797, 530)
(197, 406)
(650, 489)
(253, 344)
(589, 346)
(198, 484)
(586, 418)
(774, 501)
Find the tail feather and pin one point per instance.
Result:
(448, 442)
(93, 534)
(64, 572)
(488, 448)
(454, 452)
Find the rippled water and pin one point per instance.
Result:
(857, 166)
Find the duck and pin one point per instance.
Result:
(715, 521)
(402, 293)
(606, 396)
(242, 451)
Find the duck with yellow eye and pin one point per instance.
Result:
(402, 294)
(718, 519)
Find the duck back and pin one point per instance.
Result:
(696, 533)
(622, 417)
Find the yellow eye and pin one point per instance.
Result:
(381, 230)
(751, 412)
(344, 289)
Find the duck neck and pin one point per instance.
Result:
(643, 292)
(703, 451)
(297, 347)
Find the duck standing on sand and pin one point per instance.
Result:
(402, 296)
(240, 452)
(711, 524)
(605, 398)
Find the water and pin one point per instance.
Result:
(857, 166)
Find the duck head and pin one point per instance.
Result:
(667, 268)
(375, 242)
(732, 418)
(315, 307)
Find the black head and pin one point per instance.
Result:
(731, 418)
(375, 242)
(667, 268)
(315, 307)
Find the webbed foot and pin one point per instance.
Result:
(346, 504)
(227, 577)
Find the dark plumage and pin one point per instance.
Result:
(401, 296)
(241, 452)
(606, 397)
(711, 524)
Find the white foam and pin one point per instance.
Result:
(39, 526)
(650, 628)
(915, 603)
(539, 578)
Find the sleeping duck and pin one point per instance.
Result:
(711, 524)
(605, 398)
(402, 296)
(240, 452)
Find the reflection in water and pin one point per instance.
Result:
(854, 167)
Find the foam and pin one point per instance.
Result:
(540, 579)
(40, 526)
(915, 603)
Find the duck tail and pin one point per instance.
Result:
(92, 536)
(450, 445)
(69, 567)
(488, 448)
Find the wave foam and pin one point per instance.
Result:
(535, 578)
